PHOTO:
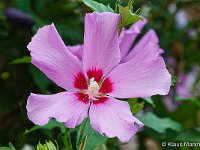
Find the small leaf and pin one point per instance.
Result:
(47, 146)
(158, 124)
(51, 146)
(52, 124)
(11, 147)
(22, 60)
(135, 106)
(127, 15)
(150, 101)
(41, 147)
(98, 7)
(174, 80)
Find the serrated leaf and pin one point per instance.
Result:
(127, 16)
(41, 147)
(135, 106)
(51, 146)
(98, 7)
(47, 146)
(160, 125)
(52, 124)
(22, 60)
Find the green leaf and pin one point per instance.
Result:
(189, 136)
(150, 101)
(158, 124)
(135, 106)
(22, 60)
(52, 124)
(195, 101)
(83, 130)
(98, 7)
(101, 147)
(94, 140)
(41, 147)
(11, 146)
(127, 15)
(87, 138)
(67, 140)
(174, 80)
(51, 146)
(47, 146)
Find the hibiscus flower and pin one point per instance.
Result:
(94, 75)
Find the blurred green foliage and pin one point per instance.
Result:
(18, 78)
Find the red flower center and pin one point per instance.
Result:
(91, 89)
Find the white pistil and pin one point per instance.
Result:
(93, 89)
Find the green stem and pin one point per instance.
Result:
(67, 140)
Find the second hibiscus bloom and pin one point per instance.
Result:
(94, 79)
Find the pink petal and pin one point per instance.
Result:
(114, 119)
(51, 56)
(67, 107)
(127, 37)
(142, 76)
(77, 50)
(187, 83)
(138, 48)
(161, 51)
(101, 48)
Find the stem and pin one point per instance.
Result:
(67, 140)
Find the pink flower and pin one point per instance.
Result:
(187, 83)
(94, 82)
(126, 41)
